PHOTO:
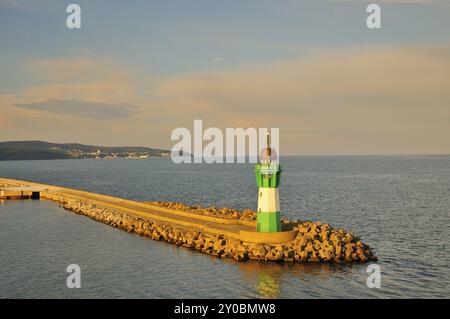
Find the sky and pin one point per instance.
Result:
(136, 70)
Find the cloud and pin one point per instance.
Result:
(332, 101)
(101, 100)
(84, 79)
(365, 99)
(327, 74)
(77, 69)
(83, 87)
(93, 110)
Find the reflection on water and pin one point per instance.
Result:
(398, 205)
(265, 276)
(268, 278)
(268, 287)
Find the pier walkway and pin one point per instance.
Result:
(208, 224)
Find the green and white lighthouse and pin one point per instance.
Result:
(268, 174)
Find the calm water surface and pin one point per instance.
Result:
(400, 205)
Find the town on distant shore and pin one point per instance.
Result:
(40, 150)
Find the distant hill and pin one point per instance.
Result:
(39, 150)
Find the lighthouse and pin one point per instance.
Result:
(268, 174)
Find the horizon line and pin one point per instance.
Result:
(281, 155)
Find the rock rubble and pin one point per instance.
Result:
(315, 242)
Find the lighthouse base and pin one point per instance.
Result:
(268, 238)
(268, 222)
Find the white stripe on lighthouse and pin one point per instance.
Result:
(268, 200)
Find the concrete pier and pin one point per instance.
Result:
(20, 192)
(223, 237)
(213, 225)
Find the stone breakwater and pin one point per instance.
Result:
(315, 242)
(224, 212)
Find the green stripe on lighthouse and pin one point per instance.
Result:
(268, 222)
(268, 175)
